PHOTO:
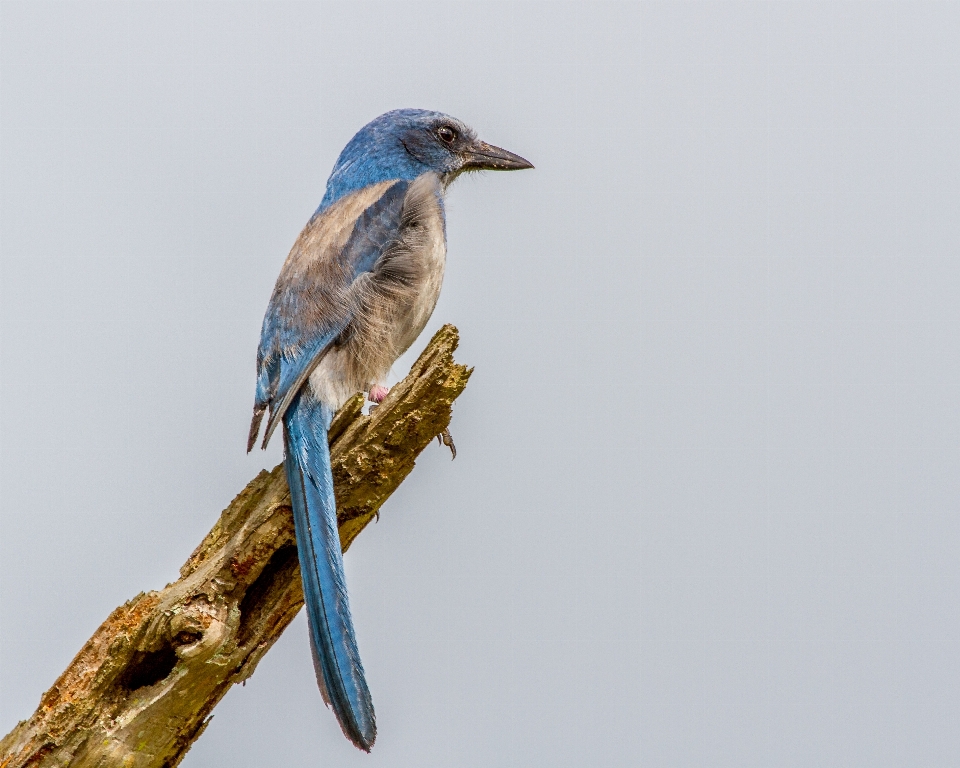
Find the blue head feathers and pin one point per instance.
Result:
(405, 143)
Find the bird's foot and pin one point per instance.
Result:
(378, 393)
(446, 439)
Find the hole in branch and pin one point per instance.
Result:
(188, 637)
(265, 590)
(148, 667)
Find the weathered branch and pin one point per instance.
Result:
(141, 690)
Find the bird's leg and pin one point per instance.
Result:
(446, 439)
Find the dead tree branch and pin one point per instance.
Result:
(141, 690)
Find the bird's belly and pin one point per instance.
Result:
(396, 320)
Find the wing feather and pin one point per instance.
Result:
(315, 298)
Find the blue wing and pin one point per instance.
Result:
(310, 306)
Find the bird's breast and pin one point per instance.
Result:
(432, 258)
(406, 284)
(392, 303)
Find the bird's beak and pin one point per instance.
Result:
(486, 157)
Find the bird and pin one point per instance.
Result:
(355, 291)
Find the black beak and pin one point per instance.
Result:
(486, 157)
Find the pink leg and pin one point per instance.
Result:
(377, 393)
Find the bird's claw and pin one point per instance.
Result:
(446, 439)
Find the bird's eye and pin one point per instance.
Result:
(446, 134)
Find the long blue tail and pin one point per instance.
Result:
(335, 655)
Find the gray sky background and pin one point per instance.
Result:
(705, 507)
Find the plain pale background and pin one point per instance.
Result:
(705, 507)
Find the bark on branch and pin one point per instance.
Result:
(141, 690)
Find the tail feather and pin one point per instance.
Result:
(336, 658)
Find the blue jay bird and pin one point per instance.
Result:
(357, 289)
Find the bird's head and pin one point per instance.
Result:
(405, 143)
